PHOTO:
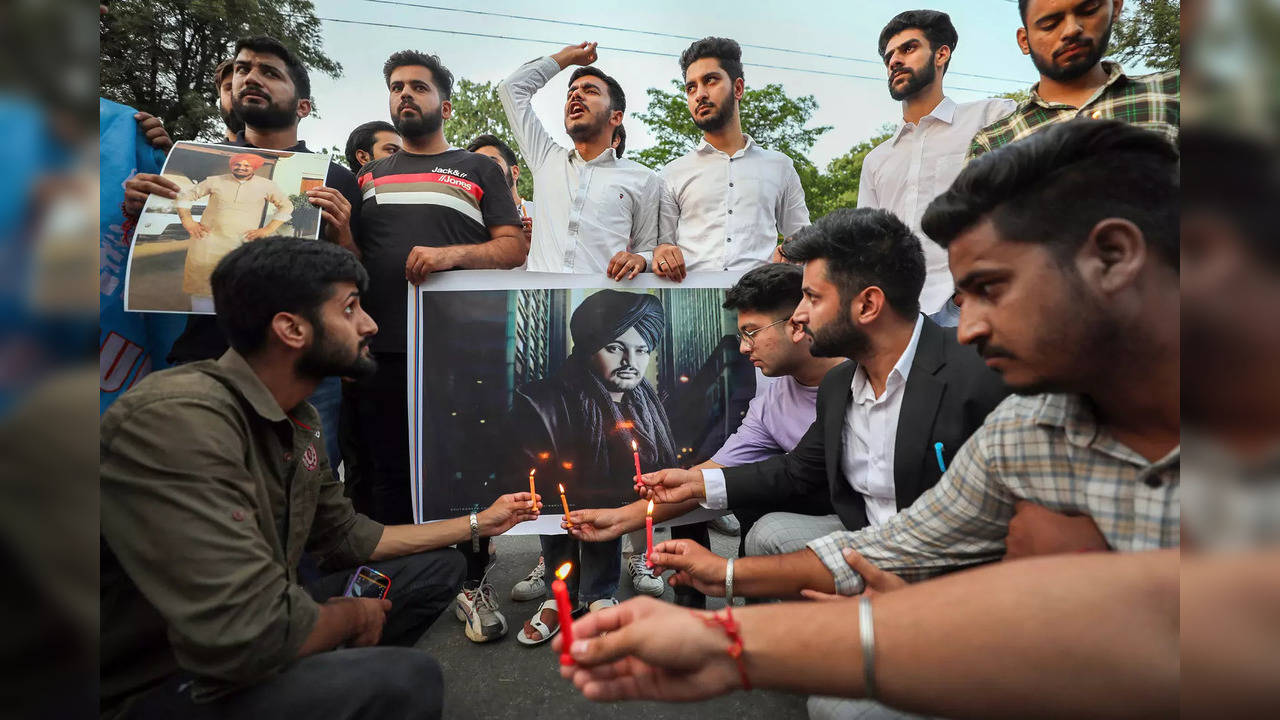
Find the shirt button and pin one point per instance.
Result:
(288, 457)
(728, 239)
(237, 515)
(730, 212)
(1153, 481)
(730, 184)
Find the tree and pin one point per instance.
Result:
(159, 55)
(477, 111)
(838, 186)
(1150, 32)
(771, 117)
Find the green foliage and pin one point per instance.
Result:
(1150, 32)
(159, 55)
(1018, 96)
(476, 111)
(838, 186)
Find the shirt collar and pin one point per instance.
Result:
(1114, 74)
(1073, 414)
(902, 369)
(706, 147)
(610, 155)
(944, 111)
(249, 386)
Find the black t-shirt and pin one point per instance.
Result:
(202, 339)
(452, 198)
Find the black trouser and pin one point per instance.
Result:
(382, 434)
(697, 532)
(391, 682)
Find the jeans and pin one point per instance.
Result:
(948, 316)
(327, 400)
(596, 566)
(384, 681)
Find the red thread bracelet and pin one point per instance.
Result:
(730, 626)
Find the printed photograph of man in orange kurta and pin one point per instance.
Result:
(231, 218)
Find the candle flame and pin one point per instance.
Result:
(650, 510)
(532, 471)
(562, 572)
(561, 489)
(634, 446)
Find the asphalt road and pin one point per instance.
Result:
(504, 679)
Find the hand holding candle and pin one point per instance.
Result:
(565, 503)
(565, 611)
(648, 533)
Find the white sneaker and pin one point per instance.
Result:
(642, 577)
(477, 609)
(532, 586)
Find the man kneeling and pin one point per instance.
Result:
(214, 484)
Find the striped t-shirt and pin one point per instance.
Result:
(452, 198)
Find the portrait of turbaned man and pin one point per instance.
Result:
(572, 382)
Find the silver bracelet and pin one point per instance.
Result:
(475, 533)
(867, 630)
(728, 584)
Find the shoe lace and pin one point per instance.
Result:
(638, 566)
(538, 572)
(484, 593)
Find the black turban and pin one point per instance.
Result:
(605, 315)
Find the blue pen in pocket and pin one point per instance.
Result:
(937, 448)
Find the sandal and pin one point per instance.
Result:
(540, 626)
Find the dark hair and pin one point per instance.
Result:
(221, 72)
(770, 289)
(272, 46)
(277, 274)
(620, 134)
(440, 73)
(725, 50)
(865, 247)
(1053, 187)
(1022, 10)
(935, 25)
(493, 141)
(1236, 177)
(362, 139)
(617, 99)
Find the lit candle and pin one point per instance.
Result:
(635, 453)
(565, 611)
(648, 532)
(533, 496)
(564, 502)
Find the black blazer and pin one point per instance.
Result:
(949, 393)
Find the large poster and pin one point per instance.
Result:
(227, 196)
(569, 376)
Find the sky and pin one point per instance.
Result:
(855, 107)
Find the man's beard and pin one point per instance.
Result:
(716, 120)
(324, 359)
(616, 384)
(267, 117)
(1077, 68)
(839, 339)
(420, 125)
(587, 130)
(231, 120)
(917, 80)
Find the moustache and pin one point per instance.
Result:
(253, 93)
(988, 351)
(903, 71)
(704, 105)
(409, 105)
(1079, 45)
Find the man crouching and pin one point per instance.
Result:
(214, 485)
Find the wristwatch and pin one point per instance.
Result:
(475, 533)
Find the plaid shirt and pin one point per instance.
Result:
(1043, 448)
(1149, 101)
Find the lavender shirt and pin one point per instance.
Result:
(774, 423)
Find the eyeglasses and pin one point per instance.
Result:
(748, 337)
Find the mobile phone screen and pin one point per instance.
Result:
(369, 584)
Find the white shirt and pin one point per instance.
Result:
(587, 210)
(871, 432)
(867, 440)
(906, 172)
(725, 213)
